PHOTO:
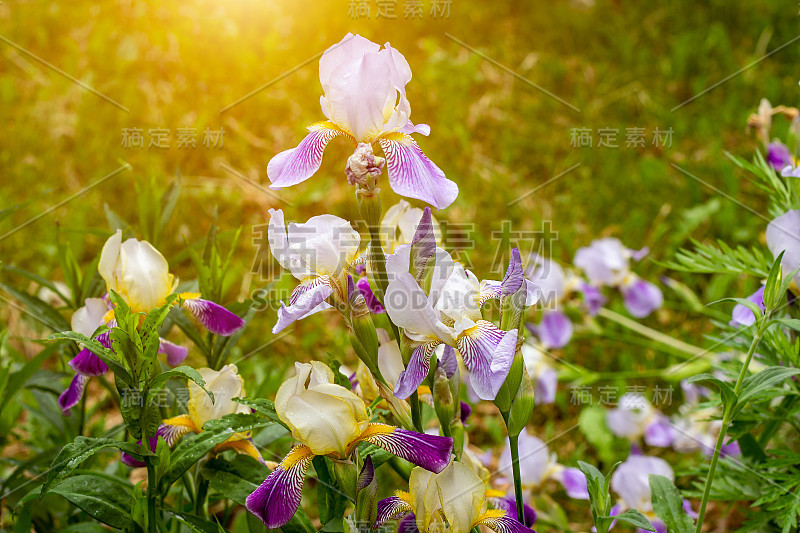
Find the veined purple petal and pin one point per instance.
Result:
(423, 245)
(449, 361)
(70, 397)
(642, 298)
(431, 452)
(416, 371)
(175, 352)
(659, 433)
(276, 500)
(574, 482)
(296, 165)
(742, 316)
(487, 352)
(375, 307)
(391, 508)
(413, 175)
(514, 277)
(546, 387)
(306, 300)
(509, 505)
(507, 523)
(555, 329)
(88, 364)
(593, 299)
(214, 317)
(778, 155)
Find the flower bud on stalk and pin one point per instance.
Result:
(512, 304)
(443, 402)
(346, 475)
(364, 330)
(367, 493)
(522, 406)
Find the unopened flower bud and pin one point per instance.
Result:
(443, 398)
(364, 167)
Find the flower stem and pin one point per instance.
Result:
(727, 418)
(416, 411)
(151, 497)
(679, 345)
(514, 443)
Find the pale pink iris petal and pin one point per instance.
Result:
(175, 353)
(296, 165)
(413, 175)
(410, 127)
(350, 48)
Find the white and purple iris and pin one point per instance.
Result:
(606, 262)
(140, 275)
(537, 465)
(635, 418)
(631, 482)
(328, 419)
(541, 372)
(449, 312)
(365, 101)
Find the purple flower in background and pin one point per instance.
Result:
(635, 418)
(631, 481)
(641, 298)
(544, 376)
(365, 101)
(742, 316)
(791, 171)
(778, 155)
(783, 235)
(593, 299)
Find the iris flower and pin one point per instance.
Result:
(448, 312)
(454, 500)
(319, 253)
(635, 418)
(140, 275)
(365, 101)
(225, 384)
(328, 419)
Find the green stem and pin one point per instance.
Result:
(726, 422)
(514, 443)
(416, 411)
(201, 497)
(683, 347)
(151, 497)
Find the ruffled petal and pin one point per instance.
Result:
(392, 507)
(413, 175)
(487, 352)
(276, 500)
(88, 364)
(416, 371)
(306, 299)
(502, 522)
(70, 397)
(431, 452)
(214, 317)
(296, 165)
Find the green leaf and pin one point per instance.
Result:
(101, 498)
(188, 372)
(752, 306)
(16, 380)
(76, 452)
(103, 353)
(178, 316)
(263, 406)
(729, 397)
(668, 505)
(191, 449)
(635, 518)
(593, 426)
(38, 309)
(197, 524)
(763, 380)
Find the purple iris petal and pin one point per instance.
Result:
(742, 316)
(415, 373)
(509, 505)
(276, 500)
(306, 300)
(214, 317)
(175, 353)
(791, 172)
(389, 509)
(466, 410)
(408, 524)
(88, 364)
(555, 329)
(487, 353)
(659, 433)
(373, 304)
(778, 155)
(413, 175)
(642, 298)
(687, 508)
(70, 397)
(546, 386)
(449, 361)
(514, 277)
(593, 299)
(431, 452)
(730, 449)
(296, 165)
(423, 245)
(574, 482)
(135, 463)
